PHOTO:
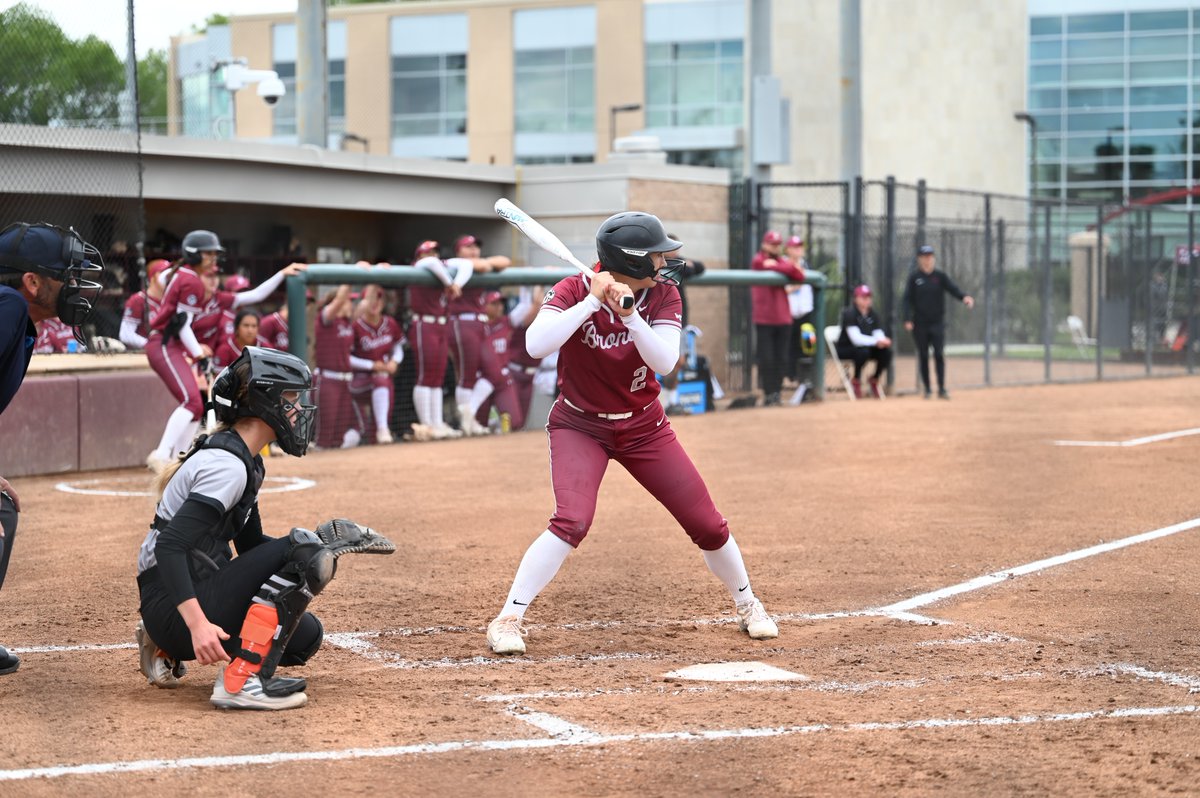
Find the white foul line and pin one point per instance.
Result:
(81, 486)
(1165, 436)
(987, 580)
(274, 758)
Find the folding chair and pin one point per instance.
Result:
(832, 334)
(1079, 335)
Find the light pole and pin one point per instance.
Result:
(1022, 116)
(612, 120)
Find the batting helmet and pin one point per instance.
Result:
(273, 386)
(235, 283)
(624, 243)
(199, 241)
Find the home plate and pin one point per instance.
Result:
(735, 672)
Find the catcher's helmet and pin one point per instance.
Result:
(624, 243)
(273, 386)
(199, 241)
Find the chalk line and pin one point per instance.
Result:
(1164, 436)
(84, 486)
(590, 740)
(988, 580)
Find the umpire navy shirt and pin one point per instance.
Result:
(17, 337)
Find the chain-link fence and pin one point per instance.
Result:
(1048, 305)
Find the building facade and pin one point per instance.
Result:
(1114, 88)
(554, 81)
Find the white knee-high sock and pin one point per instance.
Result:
(380, 407)
(726, 563)
(177, 422)
(437, 407)
(462, 395)
(539, 565)
(479, 394)
(421, 396)
(186, 437)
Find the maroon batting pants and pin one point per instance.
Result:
(430, 344)
(469, 338)
(581, 444)
(170, 363)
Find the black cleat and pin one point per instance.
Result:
(8, 662)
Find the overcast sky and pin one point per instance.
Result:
(156, 20)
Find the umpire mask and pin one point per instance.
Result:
(57, 254)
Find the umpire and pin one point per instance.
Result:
(41, 277)
(925, 315)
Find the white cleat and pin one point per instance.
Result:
(506, 635)
(384, 435)
(153, 662)
(444, 432)
(754, 621)
(470, 426)
(251, 696)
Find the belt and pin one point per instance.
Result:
(341, 376)
(429, 319)
(471, 317)
(609, 416)
(525, 369)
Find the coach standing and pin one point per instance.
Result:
(925, 315)
(41, 278)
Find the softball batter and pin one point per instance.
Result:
(608, 409)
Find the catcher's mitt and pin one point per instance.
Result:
(343, 536)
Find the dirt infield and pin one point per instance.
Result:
(1068, 676)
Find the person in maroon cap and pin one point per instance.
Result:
(467, 317)
(863, 338)
(771, 316)
(429, 338)
(377, 337)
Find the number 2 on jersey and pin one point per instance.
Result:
(639, 380)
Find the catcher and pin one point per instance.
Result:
(247, 613)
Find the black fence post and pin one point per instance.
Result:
(920, 215)
(889, 273)
(1149, 269)
(859, 230)
(1190, 339)
(1101, 284)
(1001, 315)
(847, 242)
(987, 289)
(1047, 294)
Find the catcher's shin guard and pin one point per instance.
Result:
(276, 612)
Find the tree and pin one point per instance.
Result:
(49, 78)
(152, 84)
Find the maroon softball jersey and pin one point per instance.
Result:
(375, 342)
(425, 301)
(273, 331)
(185, 293)
(768, 303)
(53, 336)
(141, 307)
(599, 368)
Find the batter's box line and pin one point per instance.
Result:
(586, 738)
(1164, 436)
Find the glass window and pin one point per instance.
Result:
(1045, 26)
(283, 113)
(555, 90)
(337, 91)
(1107, 47)
(1095, 193)
(1158, 120)
(1045, 98)
(1157, 70)
(429, 95)
(1096, 98)
(1083, 74)
(1045, 50)
(1096, 23)
(1049, 147)
(1158, 46)
(1159, 20)
(1157, 145)
(1158, 95)
(1090, 172)
(1048, 123)
(1042, 75)
(1083, 121)
(1137, 192)
(1092, 147)
(1158, 169)
(694, 84)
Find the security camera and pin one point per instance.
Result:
(271, 89)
